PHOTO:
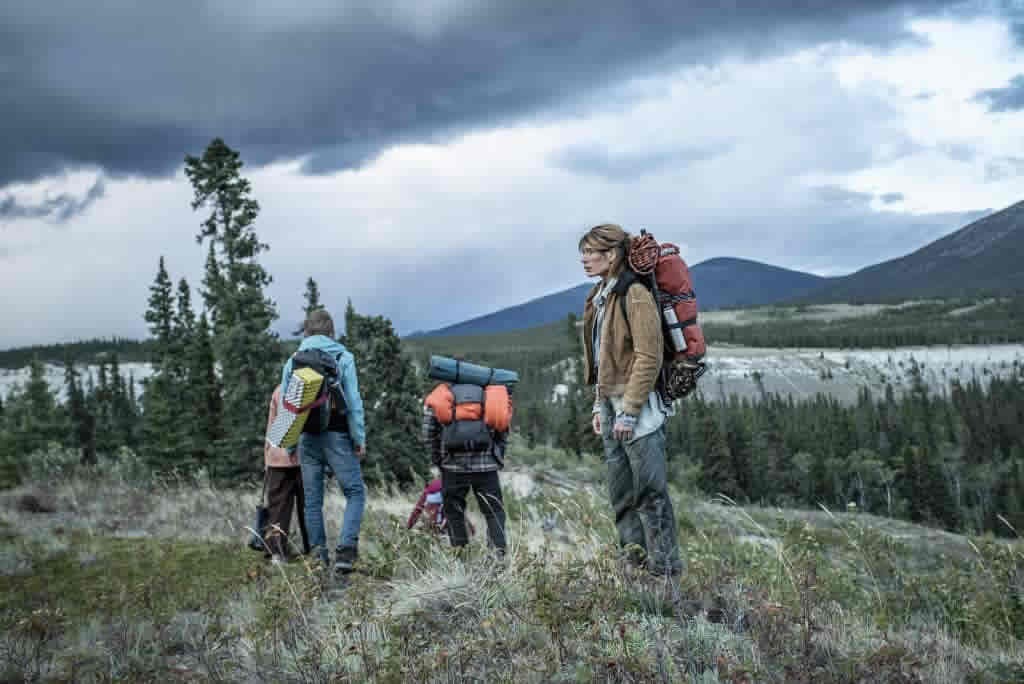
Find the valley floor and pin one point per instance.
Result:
(804, 372)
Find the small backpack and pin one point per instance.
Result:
(328, 409)
(470, 415)
(661, 269)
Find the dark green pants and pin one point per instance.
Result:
(638, 489)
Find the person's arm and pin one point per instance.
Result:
(415, 515)
(648, 347)
(354, 404)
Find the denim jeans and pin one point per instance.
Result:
(638, 489)
(333, 449)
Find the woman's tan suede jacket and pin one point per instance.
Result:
(631, 351)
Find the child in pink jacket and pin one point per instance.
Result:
(283, 484)
(431, 507)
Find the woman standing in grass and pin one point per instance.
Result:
(622, 353)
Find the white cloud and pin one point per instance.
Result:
(957, 135)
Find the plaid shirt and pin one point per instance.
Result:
(491, 458)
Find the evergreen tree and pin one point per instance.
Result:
(162, 420)
(101, 404)
(208, 408)
(718, 473)
(312, 297)
(83, 424)
(350, 315)
(124, 412)
(392, 394)
(569, 438)
(32, 413)
(244, 345)
(184, 320)
(213, 285)
(160, 314)
(530, 427)
(9, 462)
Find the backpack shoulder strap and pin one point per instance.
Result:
(626, 280)
(622, 285)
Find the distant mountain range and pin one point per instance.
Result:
(721, 282)
(986, 256)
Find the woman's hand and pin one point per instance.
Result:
(624, 425)
(596, 424)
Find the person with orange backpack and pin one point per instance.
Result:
(465, 430)
(624, 351)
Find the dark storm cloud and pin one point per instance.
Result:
(133, 87)
(1007, 99)
(59, 208)
(595, 159)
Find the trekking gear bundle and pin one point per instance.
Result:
(458, 371)
(662, 270)
(313, 401)
(329, 406)
(471, 414)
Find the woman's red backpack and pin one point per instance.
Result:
(661, 269)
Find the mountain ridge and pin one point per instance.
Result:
(721, 282)
(984, 257)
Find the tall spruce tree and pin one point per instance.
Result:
(124, 412)
(205, 391)
(32, 413)
(160, 314)
(162, 425)
(391, 390)
(213, 284)
(312, 297)
(244, 345)
(83, 424)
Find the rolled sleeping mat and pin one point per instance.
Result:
(452, 370)
(303, 388)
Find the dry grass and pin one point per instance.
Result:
(130, 580)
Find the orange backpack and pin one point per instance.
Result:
(470, 414)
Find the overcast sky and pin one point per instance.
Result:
(435, 160)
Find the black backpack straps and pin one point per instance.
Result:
(622, 285)
(626, 280)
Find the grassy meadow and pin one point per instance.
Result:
(108, 575)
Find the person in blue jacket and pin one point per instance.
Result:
(341, 448)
